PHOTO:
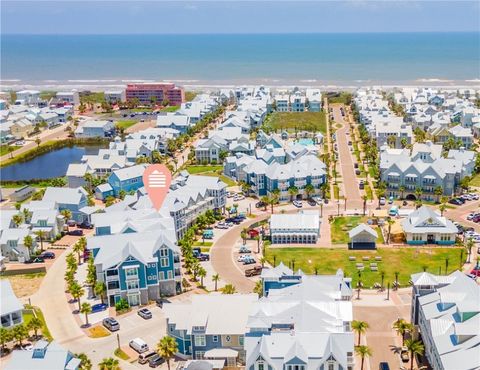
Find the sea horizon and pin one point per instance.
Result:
(337, 59)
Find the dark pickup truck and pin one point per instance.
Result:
(257, 270)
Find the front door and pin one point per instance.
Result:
(134, 300)
(430, 239)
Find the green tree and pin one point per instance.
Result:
(79, 247)
(258, 288)
(28, 243)
(35, 324)
(17, 219)
(415, 347)
(167, 347)
(390, 222)
(41, 236)
(215, 279)
(438, 191)
(109, 364)
(201, 273)
(402, 327)
(91, 271)
(77, 292)
(359, 327)
(66, 213)
(38, 141)
(293, 191)
(85, 362)
(229, 289)
(401, 189)
(5, 337)
(363, 352)
(309, 190)
(86, 309)
(100, 289)
(19, 333)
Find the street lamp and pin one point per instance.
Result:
(338, 208)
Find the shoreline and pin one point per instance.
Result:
(197, 85)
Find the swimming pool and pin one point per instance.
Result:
(305, 142)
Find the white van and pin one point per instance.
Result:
(138, 345)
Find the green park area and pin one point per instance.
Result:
(475, 180)
(342, 225)
(297, 121)
(5, 149)
(124, 124)
(210, 170)
(405, 261)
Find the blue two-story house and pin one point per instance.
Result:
(127, 179)
(73, 199)
(139, 267)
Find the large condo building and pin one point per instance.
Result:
(160, 91)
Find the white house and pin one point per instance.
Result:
(10, 306)
(300, 228)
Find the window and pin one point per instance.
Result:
(132, 284)
(163, 262)
(131, 271)
(169, 275)
(171, 328)
(215, 338)
(200, 341)
(331, 366)
(161, 276)
(164, 252)
(260, 366)
(297, 367)
(240, 340)
(227, 338)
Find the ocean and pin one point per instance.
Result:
(272, 59)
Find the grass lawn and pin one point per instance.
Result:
(343, 97)
(193, 170)
(126, 123)
(404, 260)
(303, 121)
(225, 179)
(170, 109)
(475, 180)
(98, 332)
(202, 244)
(119, 353)
(4, 149)
(342, 225)
(190, 95)
(28, 315)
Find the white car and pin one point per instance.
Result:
(20, 143)
(230, 194)
(297, 204)
(382, 201)
(238, 197)
(243, 257)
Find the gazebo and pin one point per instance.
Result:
(362, 237)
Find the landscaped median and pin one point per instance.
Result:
(404, 260)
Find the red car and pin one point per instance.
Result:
(475, 272)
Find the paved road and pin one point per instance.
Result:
(53, 134)
(350, 184)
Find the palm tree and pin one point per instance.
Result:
(28, 243)
(415, 347)
(470, 244)
(201, 273)
(359, 327)
(266, 200)
(167, 348)
(258, 288)
(85, 363)
(363, 352)
(99, 289)
(418, 193)
(19, 333)
(79, 247)
(35, 324)
(401, 189)
(215, 279)
(67, 214)
(442, 207)
(86, 309)
(109, 364)
(38, 141)
(390, 222)
(77, 292)
(382, 276)
(262, 261)
(365, 198)
(402, 327)
(243, 235)
(229, 289)
(41, 236)
(17, 219)
(309, 190)
(438, 191)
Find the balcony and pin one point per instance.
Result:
(112, 278)
(132, 277)
(133, 288)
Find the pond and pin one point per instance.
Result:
(48, 165)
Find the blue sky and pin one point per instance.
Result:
(130, 17)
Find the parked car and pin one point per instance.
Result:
(35, 260)
(390, 200)
(257, 270)
(260, 204)
(243, 257)
(111, 324)
(47, 255)
(144, 357)
(357, 172)
(138, 345)
(77, 232)
(404, 203)
(144, 313)
(383, 366)
(221, 225)
(297, 203)
(201, 256)
(311, 202)
(244, 249)
(455, 201)
(72, 223)
(27, 347)
(230, 194)
(156, 361)
(361, 185)
(238, 197)
(404, 354)
(248, 261)
(99, 307)
(85, 225)
(475, 273)
(382, 201)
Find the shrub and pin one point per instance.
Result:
(122, 305)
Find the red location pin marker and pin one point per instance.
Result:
(157, 179)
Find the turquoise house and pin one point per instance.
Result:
(127, 179)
